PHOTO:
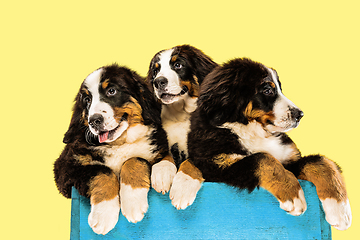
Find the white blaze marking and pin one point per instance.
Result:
(173, 86)
(97, 106)
(282, 107)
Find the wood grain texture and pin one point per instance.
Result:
(219, 212)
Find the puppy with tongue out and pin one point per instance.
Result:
(107, 132)
(115, 136)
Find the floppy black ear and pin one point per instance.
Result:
(150, 74)
(75, 122)
(151, 107)
(201, 63)
(224, 96)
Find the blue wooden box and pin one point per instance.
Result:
(219, 212)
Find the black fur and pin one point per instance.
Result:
(193, 60)
(68, 170)
(224, 97)
(179, 156)
(238, 137)
(297, 166)
(195, 65)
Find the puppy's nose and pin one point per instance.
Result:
(296, 114)
(96, 121)
(160, 83)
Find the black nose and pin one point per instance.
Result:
(96, 121)
(296, 114)
(160, 82)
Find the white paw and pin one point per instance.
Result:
(183, 190)
(297, 206)
(338, 214)
(162, 175)
(104, 215)
(134, 202)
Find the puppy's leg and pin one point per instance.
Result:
(162, 174)
(105, 204)
(186, 184)
(262, 169)
(134, 187)
(330, 187)
(93, 180)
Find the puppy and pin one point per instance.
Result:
(238, 137)
(114, 137)
(175, 76)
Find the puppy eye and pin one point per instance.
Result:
(268, 92)
(87, 100)
(155, 72)
(177, 66)
(111, 92)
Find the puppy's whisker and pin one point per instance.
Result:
(90, 137)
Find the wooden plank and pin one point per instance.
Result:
(219, 212)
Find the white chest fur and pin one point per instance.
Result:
(136, 144)
(177, 133)
(176, 121)
(256, 139)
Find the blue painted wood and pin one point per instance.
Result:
(219, 212)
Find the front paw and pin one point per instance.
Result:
(296, 206)
(162, 175)
(183, 190)
(134, 202)
(338, 214)
(104, 215)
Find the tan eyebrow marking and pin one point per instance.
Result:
(105, 83)
(173, 59)
(272, 84)
(86, 91)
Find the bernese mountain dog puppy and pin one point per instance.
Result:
(238, 136)
(175, 76)
(114, 137)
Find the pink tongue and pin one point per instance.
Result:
(103, 137)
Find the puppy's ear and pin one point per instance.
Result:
(142, 92)
(202, 64)
(224, 96)
(75, 123)
(150, 74)
(152, 107)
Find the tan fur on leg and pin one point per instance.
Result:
(282, 184)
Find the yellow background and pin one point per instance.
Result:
(48, 48)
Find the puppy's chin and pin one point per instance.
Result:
(282, 128)
(169, 98)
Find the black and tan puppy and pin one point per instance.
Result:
(238, 137)
(114, 137)
(175, 76)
